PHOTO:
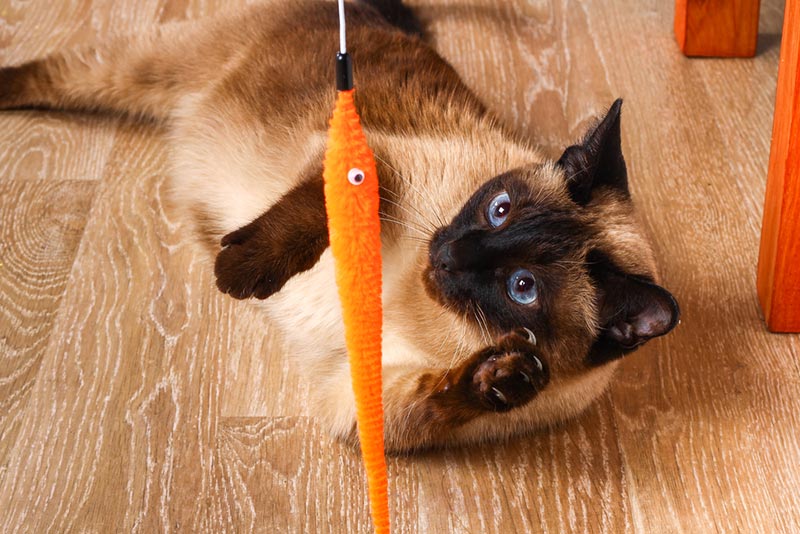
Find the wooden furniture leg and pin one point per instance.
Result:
(727, 28)
(779, 257)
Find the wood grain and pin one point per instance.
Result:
(779, 258)
(41, 223)
(52, 146)
(725, 28)
(140, 400)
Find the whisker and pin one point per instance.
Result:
(484, 323)
(445, 338)
(415, 238)
(397, 172)
(406, 225)
(414, 213)
(412, 187)
(480, 326)
(412, 223)
(459, 347)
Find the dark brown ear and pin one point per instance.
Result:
(597, 161)
(633, 310)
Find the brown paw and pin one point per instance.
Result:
(247, 268)
(508, 374)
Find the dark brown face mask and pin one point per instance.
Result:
(508, 251)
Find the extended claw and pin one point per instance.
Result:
(531, 338)
(499, 394)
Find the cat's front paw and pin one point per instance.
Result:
(246, 268)
(508, 374)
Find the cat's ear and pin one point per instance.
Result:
(597, 161)
(633, 310)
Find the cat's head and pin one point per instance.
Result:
(556, 248)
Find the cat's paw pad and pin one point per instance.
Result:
(510, 375)
(245, 269)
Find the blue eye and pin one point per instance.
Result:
(522, 287)
(498, 209)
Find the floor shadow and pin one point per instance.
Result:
(766, 42)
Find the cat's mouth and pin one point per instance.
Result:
(429, 281)
(440, 278)
(440, 286)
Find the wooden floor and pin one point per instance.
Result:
(135, 398)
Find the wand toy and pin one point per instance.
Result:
(351, 202)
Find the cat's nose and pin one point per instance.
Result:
(443, 259)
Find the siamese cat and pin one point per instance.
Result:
(512, 283)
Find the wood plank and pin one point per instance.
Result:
(285, 475)
(41, 223)
(113, 414)
(779, 258)
(128, 373)
(54, 146)
(260, 380)
(725, 28)
(568, 479)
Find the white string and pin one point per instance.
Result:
(342, 36)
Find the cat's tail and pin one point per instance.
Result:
(138, 75)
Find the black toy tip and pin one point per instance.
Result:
(344, 72)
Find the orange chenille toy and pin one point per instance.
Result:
(351, 200)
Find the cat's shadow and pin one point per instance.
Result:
(767, 42)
